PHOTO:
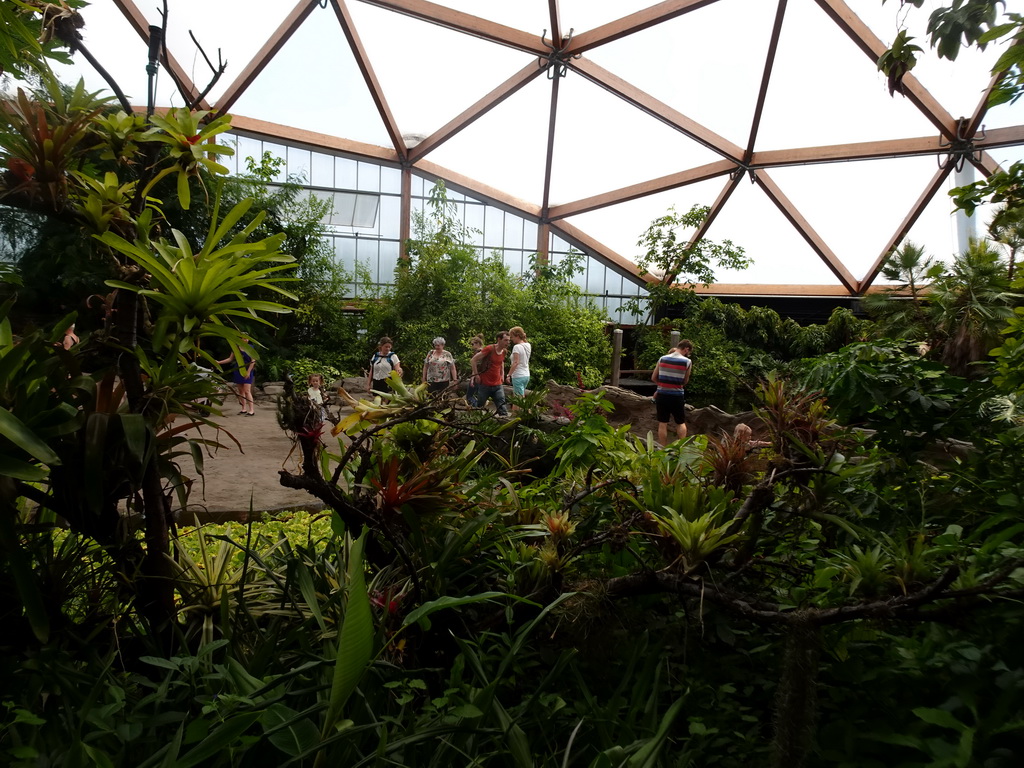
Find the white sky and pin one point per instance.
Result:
(706, 64)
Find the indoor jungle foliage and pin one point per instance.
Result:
(481, 592)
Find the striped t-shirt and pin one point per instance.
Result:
(672, 370)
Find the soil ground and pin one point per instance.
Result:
(236, 475)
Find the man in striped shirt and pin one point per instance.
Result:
(671, 374)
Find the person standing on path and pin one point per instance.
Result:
(242, 377)
(439, 368)
(477, 343)
(489, 374)
(519, 368)
(382, 363)
(671, 374)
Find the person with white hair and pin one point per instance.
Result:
(439, 368)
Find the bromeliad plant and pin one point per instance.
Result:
(200, 293)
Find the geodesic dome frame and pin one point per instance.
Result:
(722, 163)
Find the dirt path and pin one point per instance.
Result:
(234, 476)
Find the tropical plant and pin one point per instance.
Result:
(447, 288)
(679, 261)
(1007, 229)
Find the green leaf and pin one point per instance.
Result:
(355, 642)
(15, 430)
(290, 732)
(420, 614)
(647, 756)
(940, 717)
(222, 738)
(467, 711)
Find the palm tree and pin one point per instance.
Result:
(902, 309)
(1007, 228)
(970, 305)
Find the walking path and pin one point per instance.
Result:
(235, 476)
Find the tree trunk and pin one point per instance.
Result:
(796, 701)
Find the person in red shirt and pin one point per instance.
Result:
(489, 372)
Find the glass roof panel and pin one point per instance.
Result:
(620, 226)
(857, 207)
(212, 24)
(706, 64)
(109, 37)
(439, 73)
(781, 256)
(691, 63)
(506, 147)
(602, 143)
(958, 85)
(327, 95)
(825, 90)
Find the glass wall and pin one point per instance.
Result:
(366, 236)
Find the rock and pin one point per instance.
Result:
(638, 411)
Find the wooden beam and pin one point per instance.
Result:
(924, 145)
(363, 61)
(908, 222)
(405, 223)
(556, 23)
(602, 252)
(543, 241)
(465, 23)
(634, 22)
(270, 48)
(550, 152)
(986, 164)
(141, 24)
(982, 109)
(262, 129)
(766, 76)
(484, 105)
(869, 43)
(643, 189)
(656, 109)
(806, 231)
(754, 289)
(478, 189)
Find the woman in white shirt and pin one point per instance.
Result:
(519, 370)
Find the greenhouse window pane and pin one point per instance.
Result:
(367, 253)
(513, 231)
(475, 222)
(388, 260)
(345, 253)
(322, 170)
(344, 173)
(299, 163)
(351, 209)
(390, 216)
(366, 211)
(390, 180)
(279, 152)
(513, 259)
(494, 228)
(368, 178)
(248, 148)
(530, 231)
(595, 277)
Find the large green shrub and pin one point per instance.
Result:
(446, 289)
